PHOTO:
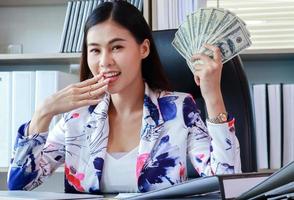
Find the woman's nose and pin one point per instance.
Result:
(106, 59)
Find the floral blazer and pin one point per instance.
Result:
(171, 130)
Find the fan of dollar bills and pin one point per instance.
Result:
(214, 26)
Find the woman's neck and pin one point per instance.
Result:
(128, 101)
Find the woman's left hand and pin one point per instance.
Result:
(208, 74)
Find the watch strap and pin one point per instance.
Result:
(220, 118)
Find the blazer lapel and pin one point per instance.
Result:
(98, 130)
(152, 128)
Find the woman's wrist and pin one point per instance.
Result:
(215, 105)
(40, 121)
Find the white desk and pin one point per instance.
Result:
(31, 195)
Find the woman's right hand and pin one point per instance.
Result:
(74, 96)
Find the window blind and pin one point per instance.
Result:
(270, 22)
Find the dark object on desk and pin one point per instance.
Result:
(194, 187)
(281, 177)
(235, 91)
(283, 197)
(282, 191)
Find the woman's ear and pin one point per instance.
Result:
(145, 48)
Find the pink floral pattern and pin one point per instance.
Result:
(74, 178)
(140, 162)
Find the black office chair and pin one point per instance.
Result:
(235, 90)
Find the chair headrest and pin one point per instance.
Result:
(174, 64)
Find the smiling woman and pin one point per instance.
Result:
(122, 129)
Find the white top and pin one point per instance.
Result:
(119, 172)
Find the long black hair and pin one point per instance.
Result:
(130, 18)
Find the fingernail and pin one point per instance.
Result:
(106, 80)
(98, 76)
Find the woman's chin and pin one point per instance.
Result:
(112, 90)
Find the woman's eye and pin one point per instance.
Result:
(115, 48)
(94, 51)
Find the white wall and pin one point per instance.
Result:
(37, 28)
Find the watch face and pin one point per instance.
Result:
(223, 117)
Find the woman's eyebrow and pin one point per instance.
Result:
(110, 42)
(116, 40)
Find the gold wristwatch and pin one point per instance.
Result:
(220, 118)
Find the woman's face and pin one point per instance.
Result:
(113, 51)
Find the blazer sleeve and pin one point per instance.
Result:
(35, 157)
(213, 149)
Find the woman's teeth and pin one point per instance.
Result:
(111, 74)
